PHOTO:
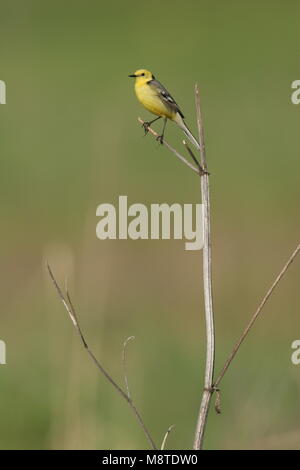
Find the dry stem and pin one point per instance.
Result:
(207, 285)
(67, 302)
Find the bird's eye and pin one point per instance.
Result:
(142, 74)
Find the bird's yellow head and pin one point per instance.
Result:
(142, 76)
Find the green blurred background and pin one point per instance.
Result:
(70, 140)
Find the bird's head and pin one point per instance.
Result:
(142, 76)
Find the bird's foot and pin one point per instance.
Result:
(160, 138)
(146, 126)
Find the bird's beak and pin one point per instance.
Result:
(133, 75)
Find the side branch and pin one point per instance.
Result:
(255, 316)
(67, 302)
(177, 154)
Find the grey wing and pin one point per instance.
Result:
(165, 96)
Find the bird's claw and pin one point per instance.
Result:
(146, 126)
(160, 138)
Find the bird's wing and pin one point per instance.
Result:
(165, 96)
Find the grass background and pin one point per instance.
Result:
(70, 141)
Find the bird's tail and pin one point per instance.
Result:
(180, 122)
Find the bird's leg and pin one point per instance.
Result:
(160, 138)
(146, 125)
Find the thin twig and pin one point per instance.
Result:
(207, 284)
(191, 153)
(166, 436)
(124, 363)
(73, 315)
(178, 155)
(200, 128)
(200, 169)
(255, 316)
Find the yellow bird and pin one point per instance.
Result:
(154, 97)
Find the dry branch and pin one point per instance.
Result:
(177, 154)
(166, 437)
(255, 316)
(67, 302)
(207, 284)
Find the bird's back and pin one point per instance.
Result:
(166, 97)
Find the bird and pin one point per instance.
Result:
(156, 99)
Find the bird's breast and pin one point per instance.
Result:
(150, 100)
